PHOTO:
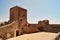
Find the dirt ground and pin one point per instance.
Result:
(36, 36)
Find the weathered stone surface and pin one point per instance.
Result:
(18, 25)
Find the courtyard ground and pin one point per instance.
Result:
(36, 36)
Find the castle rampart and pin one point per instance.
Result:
(18, 25)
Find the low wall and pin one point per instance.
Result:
(7, 29)
(52, 28)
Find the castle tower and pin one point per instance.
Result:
(18, 14)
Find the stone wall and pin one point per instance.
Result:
(8, 29)
(32, 28)
(52, 28)
(42, 26)
(19, 14)
(18, 24)
(46, 27)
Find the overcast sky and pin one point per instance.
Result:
(37, 10)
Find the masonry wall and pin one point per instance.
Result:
(42, 26)
(19, 25)
(52, 28)
(20, 15)
(8, 29)
(46, 27)
(33, 28)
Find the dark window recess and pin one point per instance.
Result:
(22, 28)
(20, 19)
(23, 15)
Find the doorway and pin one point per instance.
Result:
(17, 33)
(0, 38)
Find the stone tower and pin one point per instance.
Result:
(20, 15)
